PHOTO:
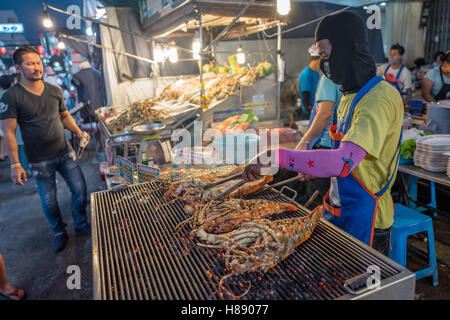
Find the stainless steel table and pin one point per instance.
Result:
(416, 173)
(437, 177)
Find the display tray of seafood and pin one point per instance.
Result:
(168, 239)
(182, 96)
(123, 119)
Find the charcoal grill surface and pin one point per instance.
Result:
(138, 255)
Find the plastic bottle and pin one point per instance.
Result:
(144, 158)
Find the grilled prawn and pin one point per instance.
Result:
(221, 217)
(260, 244)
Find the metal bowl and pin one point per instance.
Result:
(152, 128)
(124, 139)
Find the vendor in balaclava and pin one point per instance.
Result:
(366, 137)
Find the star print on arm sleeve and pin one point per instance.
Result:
(291, 162)
(323, 163)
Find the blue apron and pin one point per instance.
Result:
(394, 81)
(352, 206)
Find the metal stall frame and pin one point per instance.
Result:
(169, 23)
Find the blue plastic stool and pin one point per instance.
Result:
(407, 222)
(412, 190)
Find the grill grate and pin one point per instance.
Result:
(138, 255)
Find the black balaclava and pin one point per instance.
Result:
(350, 64)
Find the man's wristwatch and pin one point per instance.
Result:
(15, 165)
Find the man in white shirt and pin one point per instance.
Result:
(396, 73)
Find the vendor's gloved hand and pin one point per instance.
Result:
(257, 167)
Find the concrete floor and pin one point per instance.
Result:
(26, 239)
(26, 243)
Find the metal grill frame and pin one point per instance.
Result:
(398, 286)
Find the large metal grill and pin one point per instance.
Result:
(138, 255)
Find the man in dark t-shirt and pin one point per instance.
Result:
(39, 109)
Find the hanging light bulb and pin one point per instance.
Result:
(196, 46)
(89, 32)
(158, 54)
(46, 21)
(283, 6)
(240, 56)
(173, 54)
(60, 45)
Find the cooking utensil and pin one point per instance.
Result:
(231, 189)
(279, 184)
(232, 177)
(311, 199)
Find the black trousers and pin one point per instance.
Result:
(381, 239)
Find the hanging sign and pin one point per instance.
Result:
(11, 28)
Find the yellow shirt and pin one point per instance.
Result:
(376, 127)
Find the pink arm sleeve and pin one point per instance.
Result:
(322, 163)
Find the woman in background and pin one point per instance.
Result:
(436, 83)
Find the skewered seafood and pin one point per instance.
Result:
(260, 244)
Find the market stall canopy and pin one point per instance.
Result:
(181, 20)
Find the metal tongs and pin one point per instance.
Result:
(232, 177)
(278, 184)
(227, 191)
(232, 188)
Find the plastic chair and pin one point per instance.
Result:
(407, 222)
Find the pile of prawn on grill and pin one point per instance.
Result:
(259, 244)
(224, 216)
(189, 186)
(241, 228)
